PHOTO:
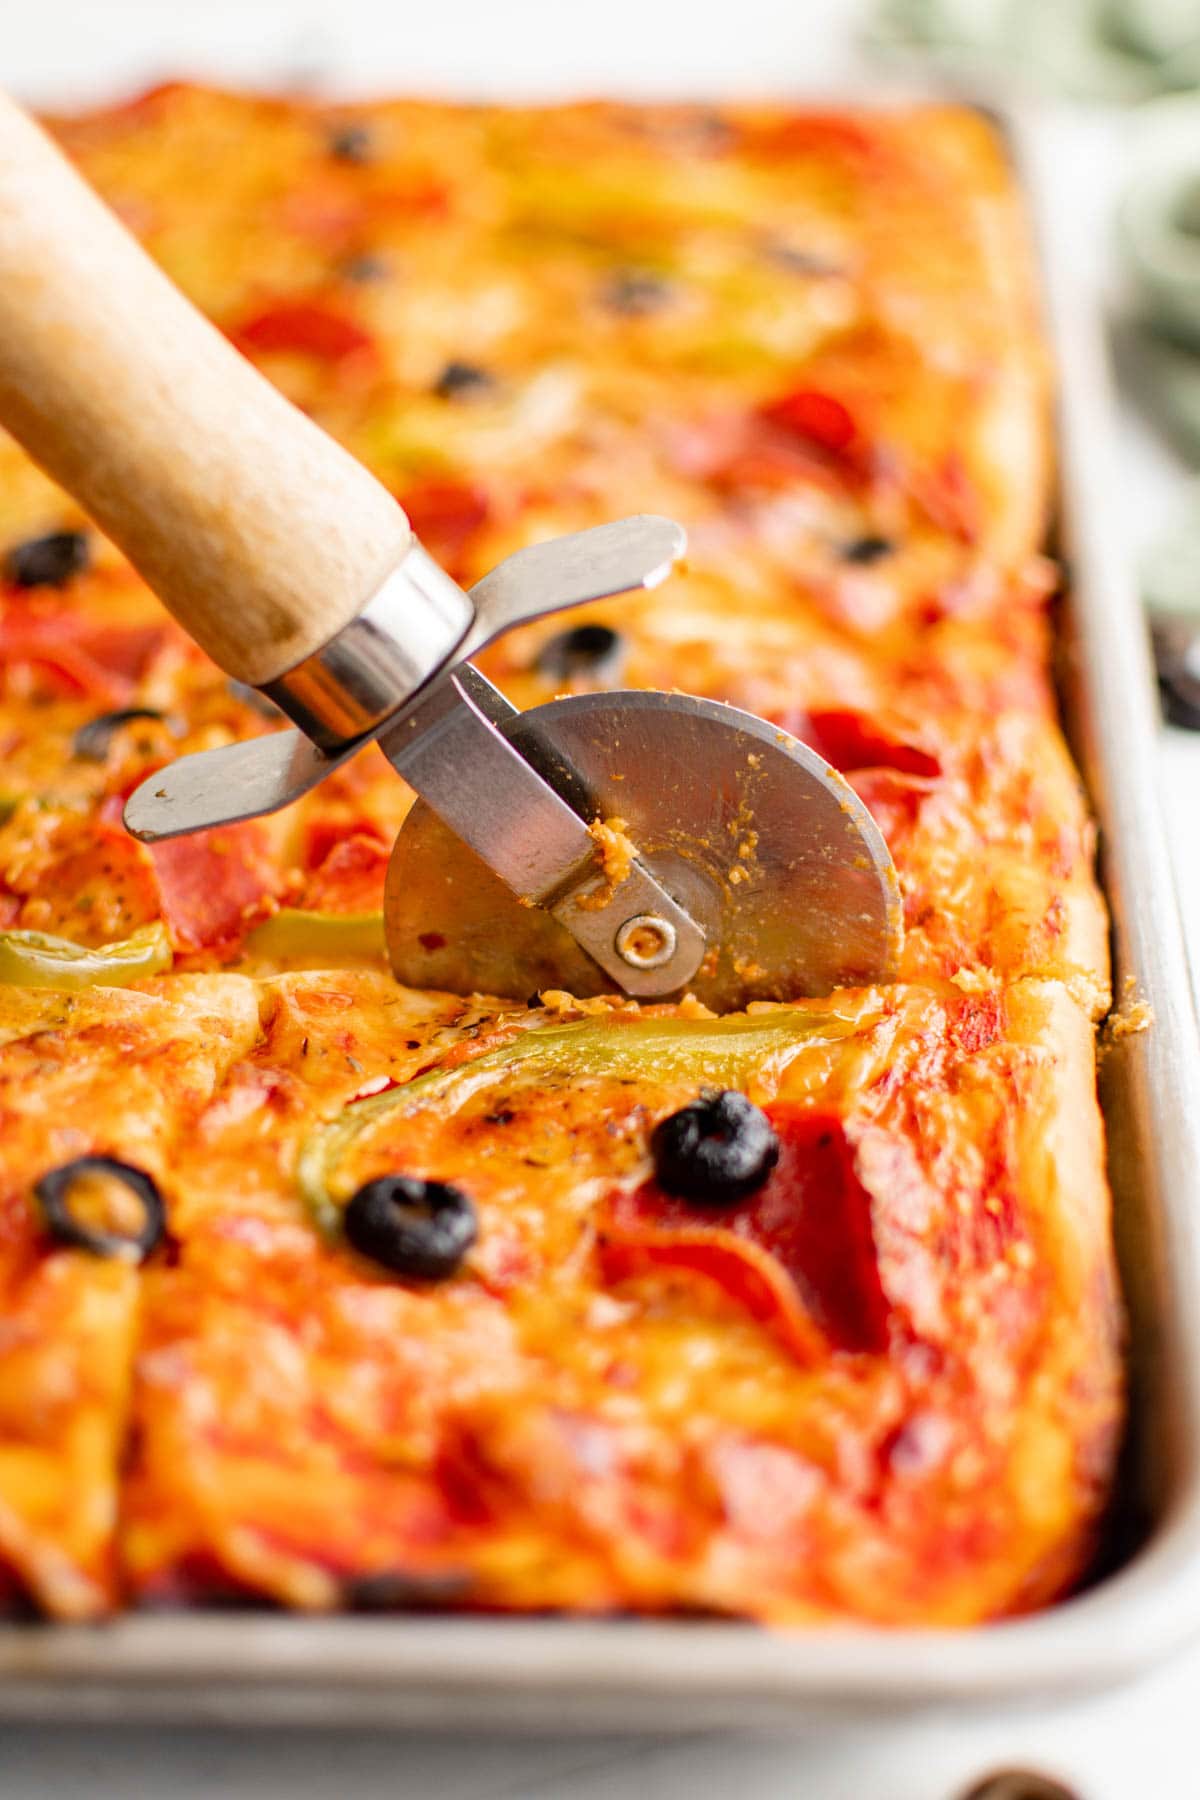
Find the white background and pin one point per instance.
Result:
(1135, 1743)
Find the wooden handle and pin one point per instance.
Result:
(261, 535)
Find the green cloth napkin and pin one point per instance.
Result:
(1158, 235)
(1094, 49)
(1117, 51)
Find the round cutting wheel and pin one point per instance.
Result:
(768, 848)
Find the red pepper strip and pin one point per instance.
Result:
(350, 877)
(214, 884)
(799, 1254)
(304, 326)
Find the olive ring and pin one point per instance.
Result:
(53, 1194)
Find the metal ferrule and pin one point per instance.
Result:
(406, 633)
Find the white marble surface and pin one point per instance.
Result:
(1138, 1741)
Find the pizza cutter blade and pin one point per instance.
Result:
(768, 849)
(739, 865)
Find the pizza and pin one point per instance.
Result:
(325, 1292)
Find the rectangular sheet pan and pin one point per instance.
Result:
(553, 1674)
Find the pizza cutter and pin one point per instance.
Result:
(743, 868)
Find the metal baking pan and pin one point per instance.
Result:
(556, 1674)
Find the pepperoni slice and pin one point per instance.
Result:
(125, 650)
(891, 774)
(852, 740)
(818, 417)
(818, 134)
(893, 800)
(97, 880)
(60, 659)
(214, 884)
(350, 877)
(799, 1254)
(633, 1244)
(103, 662)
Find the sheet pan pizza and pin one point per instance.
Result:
(321, 1292)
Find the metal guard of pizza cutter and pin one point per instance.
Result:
(392, 670)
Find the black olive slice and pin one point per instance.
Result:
(351, 143)
(364, 269)
(459, 379)
(54, 1193)
(636, 293)
(869, 549)
(703, 128)
(595, 650)
(92, 740)
(418, 1228)
(49, 561)
(405, 1590)
(800, 259)
(715, 1151)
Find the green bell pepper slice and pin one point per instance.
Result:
(33, 959)
(726, 1052)
(292, 933)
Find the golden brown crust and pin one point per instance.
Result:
(588, 1413)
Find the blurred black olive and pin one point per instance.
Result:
(53, 1193)
(351, 143)
(49, 561)
(636, 293)
(800, 260)
(593, 650)
(869, 549)
(364, 269)
(91, 741)
(405, 1590)
(460, 379)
